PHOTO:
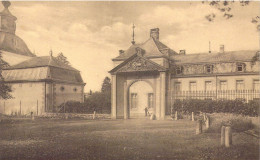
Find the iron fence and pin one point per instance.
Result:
(245, 95)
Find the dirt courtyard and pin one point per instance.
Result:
(118, 139)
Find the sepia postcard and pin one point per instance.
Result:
(129, 80)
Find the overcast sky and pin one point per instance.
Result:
(91, 33)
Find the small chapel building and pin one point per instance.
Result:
(39, 84)
(149, 74)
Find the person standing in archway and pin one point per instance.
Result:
(146, 111)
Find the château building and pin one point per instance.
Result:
(150, 74)
(39, 84)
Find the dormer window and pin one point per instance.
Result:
(179, 70)
(209, 68)
(240, 67)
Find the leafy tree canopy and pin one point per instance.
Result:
(106, 86)
(4, 89)
(225, 7)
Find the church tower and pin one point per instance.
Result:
(13, 49)
(7, 20)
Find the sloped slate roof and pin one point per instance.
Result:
(151, 47)
(42, 68)
(231, 56)
(42, 73)
(26, 74)
(65, 75)
(42, 61)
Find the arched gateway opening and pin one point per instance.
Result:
(140, 96)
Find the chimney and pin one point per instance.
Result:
(221, 49)
(182, 52)
(121, 52)
(154, 33)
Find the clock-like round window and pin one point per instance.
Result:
(62, 88)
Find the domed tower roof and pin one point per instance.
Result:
(8, 40)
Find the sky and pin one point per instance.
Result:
(91, 33)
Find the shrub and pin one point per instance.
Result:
(98, 101)
(238, 123)
(218, 106)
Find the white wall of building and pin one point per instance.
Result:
(26, 97)
(141, 89)
(71, 92)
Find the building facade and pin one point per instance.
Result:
(152, 75)
(39, 84)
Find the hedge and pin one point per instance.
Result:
(86, 107)
(250, 108)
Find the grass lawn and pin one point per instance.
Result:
(118, 139)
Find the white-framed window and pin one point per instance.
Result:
(150, 100)
(62, 88)
(179, 70)
(240, 85)
(177, 86)
(223, 85)
(208, 85)
(256, 84)
(133, 100)
(209, 68)
(240, 67)
(193, 86)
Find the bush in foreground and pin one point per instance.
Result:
(238, 123)
(98, 101)
(217, 106)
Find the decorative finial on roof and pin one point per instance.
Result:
(51, 53)
(133, 41)
(209, 47)
(6, 4)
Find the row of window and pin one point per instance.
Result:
(240, 67)
(240, 85)
(62, 88)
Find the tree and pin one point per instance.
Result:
(225, 7)
(256, 58)
(106, 86)
(62, 58)
(4, 89)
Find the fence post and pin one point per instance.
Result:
(228, 136)
(222, 138)
(207, 122)
(37, 107)
(176, 115)
(4, 107)
(94, 115)
(204, 116)
(199, 127)
(20, 107)
(32, 116)
(192, 116)
(64, 107)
